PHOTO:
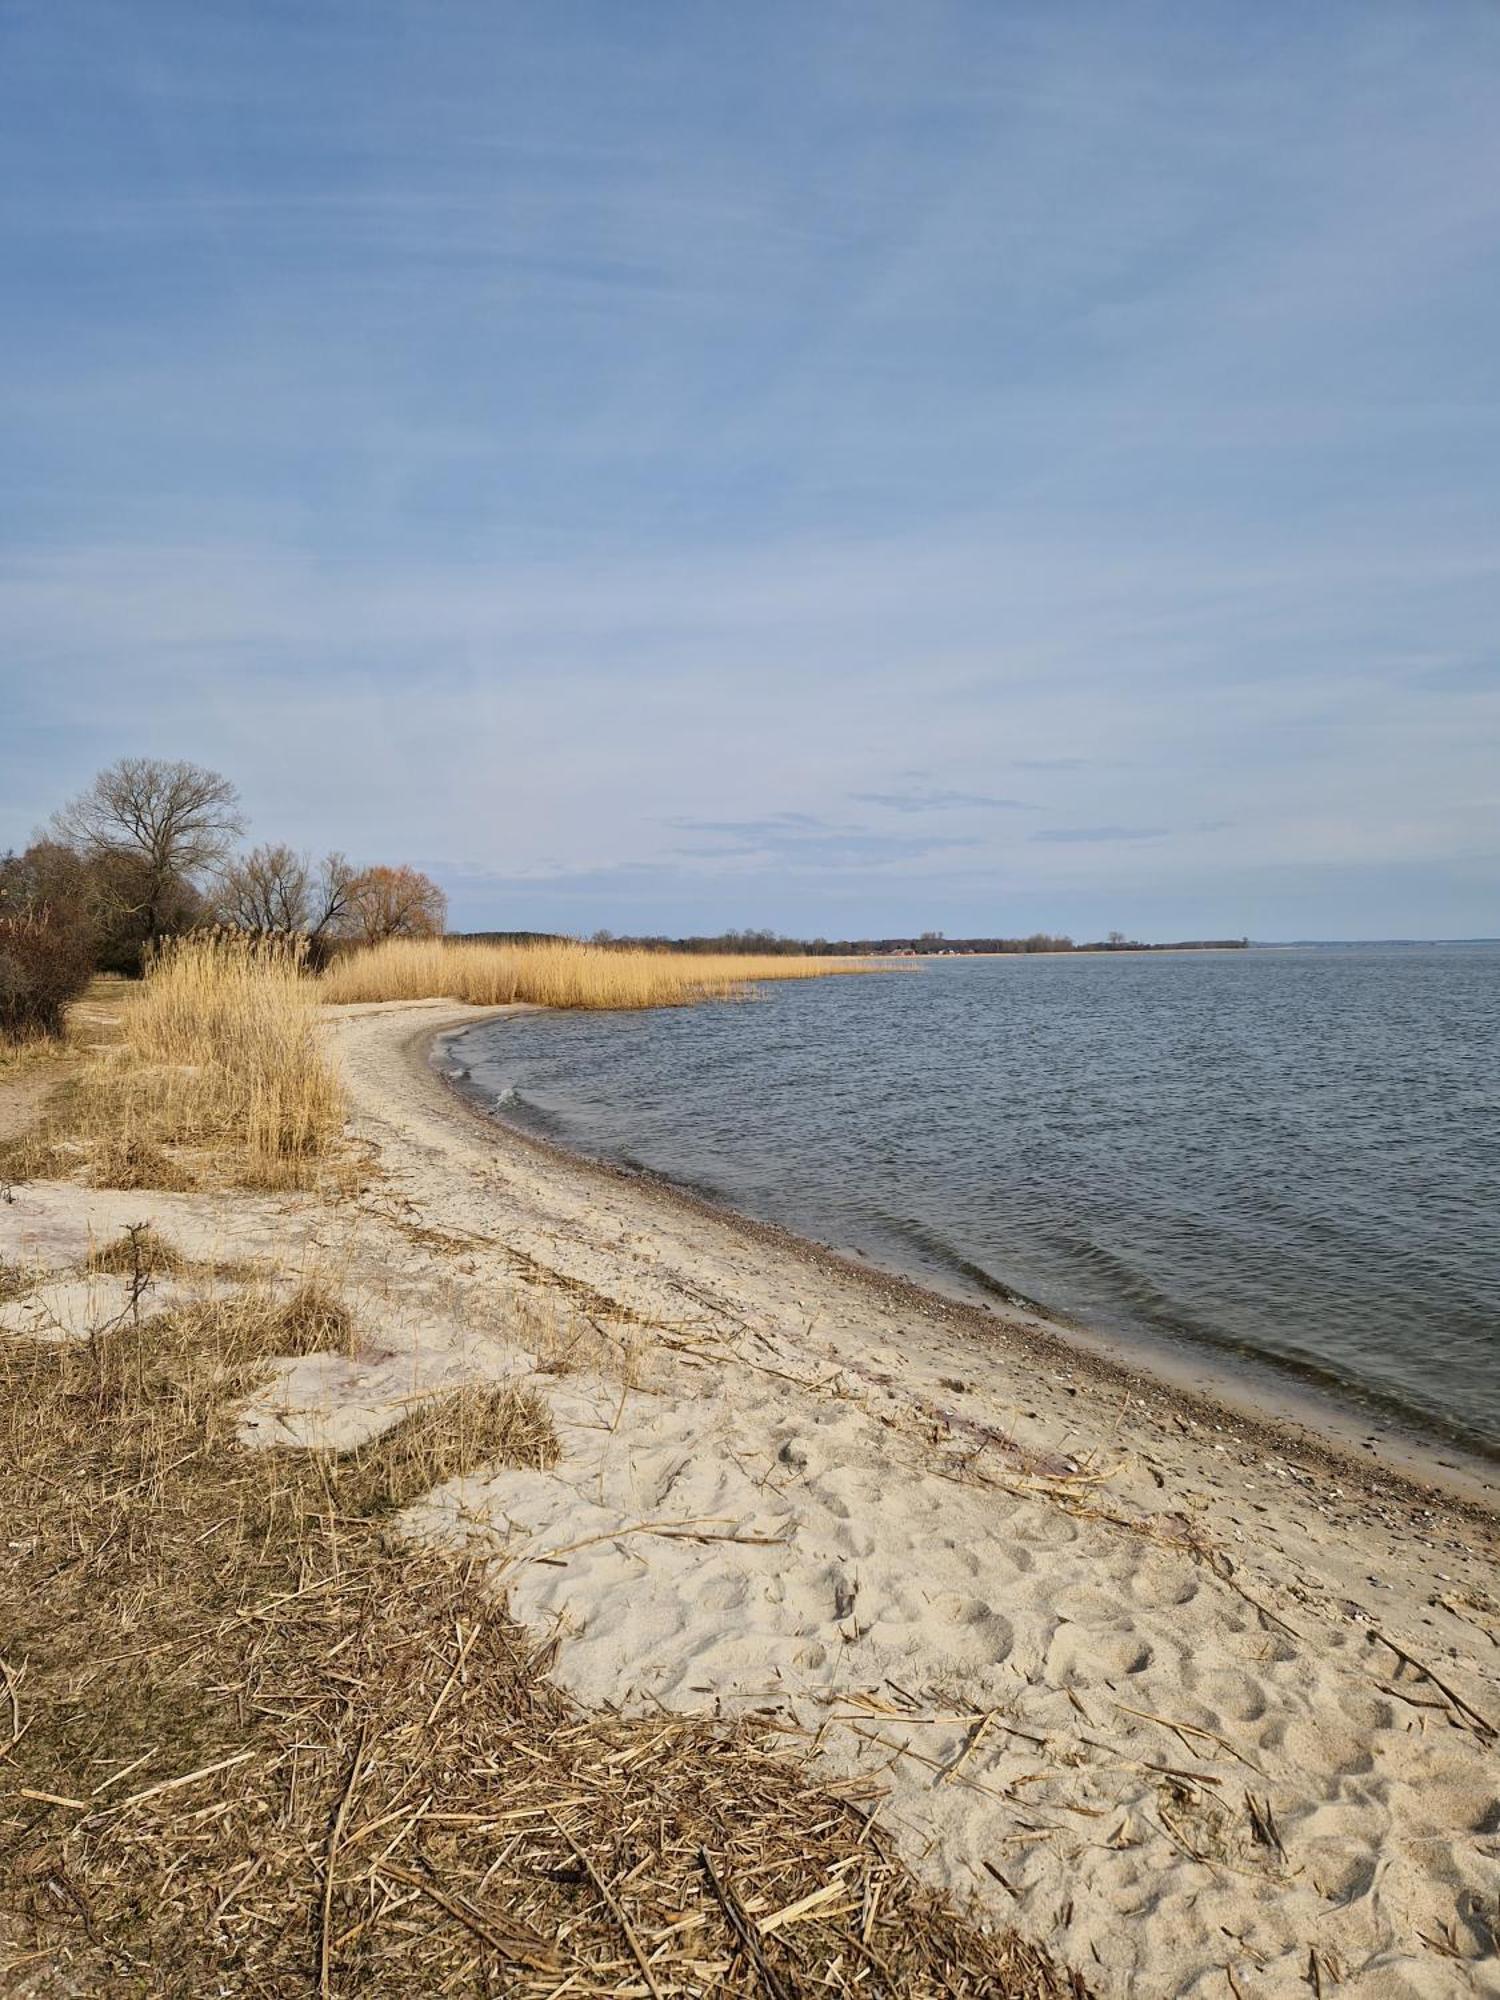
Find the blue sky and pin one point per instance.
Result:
(845, 467)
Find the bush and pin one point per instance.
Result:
(45, 962)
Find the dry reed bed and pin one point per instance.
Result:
(218, 1058)
(558, 975)
(250, 1743)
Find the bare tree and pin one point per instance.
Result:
(331, 906)
(160, 827)
(397, 902)
(268, 889)
(274, 888)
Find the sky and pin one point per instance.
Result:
(852, 468)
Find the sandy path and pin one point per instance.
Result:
(22, 1102)
(1114, 1652)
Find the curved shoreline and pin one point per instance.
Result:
(1264, 1405)
(794, 1489)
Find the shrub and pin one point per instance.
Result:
(45, 962)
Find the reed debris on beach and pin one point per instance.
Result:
(255, 1742)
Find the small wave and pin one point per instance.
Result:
(939, 1250)
(1151, 1311)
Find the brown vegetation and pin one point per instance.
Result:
(218, 1073)
(274, 889)
(220, 1051)
(560, 974)
(396, 903)
(45, 961)
(145, 854)
(150, 832)
(251, 1743)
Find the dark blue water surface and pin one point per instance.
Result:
(1290, 1154)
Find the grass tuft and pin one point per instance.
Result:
(448, 1438)
(138, 1251)
(217, 1059)
(16, 1281)
(36, 1156)
(316, 1320)
(132, 1162)
(241, 1328)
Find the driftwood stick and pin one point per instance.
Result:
(610, 1903)
(744, 1932)
(325, 1940)
(1481, 1723)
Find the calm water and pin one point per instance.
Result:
(1293, 1155)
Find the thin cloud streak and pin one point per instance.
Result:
(1073, 836)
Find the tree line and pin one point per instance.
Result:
(149, 850)
(926, 944)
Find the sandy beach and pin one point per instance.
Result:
(1202, 1705)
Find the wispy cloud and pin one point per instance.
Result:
(788, 826)
(802, 840)
(936, 799)
(1089, 835)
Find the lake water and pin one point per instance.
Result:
(1291, 1155)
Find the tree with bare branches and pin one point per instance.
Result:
(154, 830)
(274, 888)
(268, 889)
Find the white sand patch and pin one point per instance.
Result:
(75, 1308)
(997, 1659)
(55, 1224)
(334, 1402)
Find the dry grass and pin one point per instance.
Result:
(250, 1744)
(27, 1057)
(37, 1156)
(557, 975)
(217, 1058)
(16, 1280)
(130, 1160)
(316, 1320)
(570, 1341)
(93, 1016)
(138, 1252)
(254, 1323)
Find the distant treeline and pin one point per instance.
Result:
(930, 944)
(505, 937)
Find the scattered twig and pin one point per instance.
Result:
(610, 1903)
(1481, 1724)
